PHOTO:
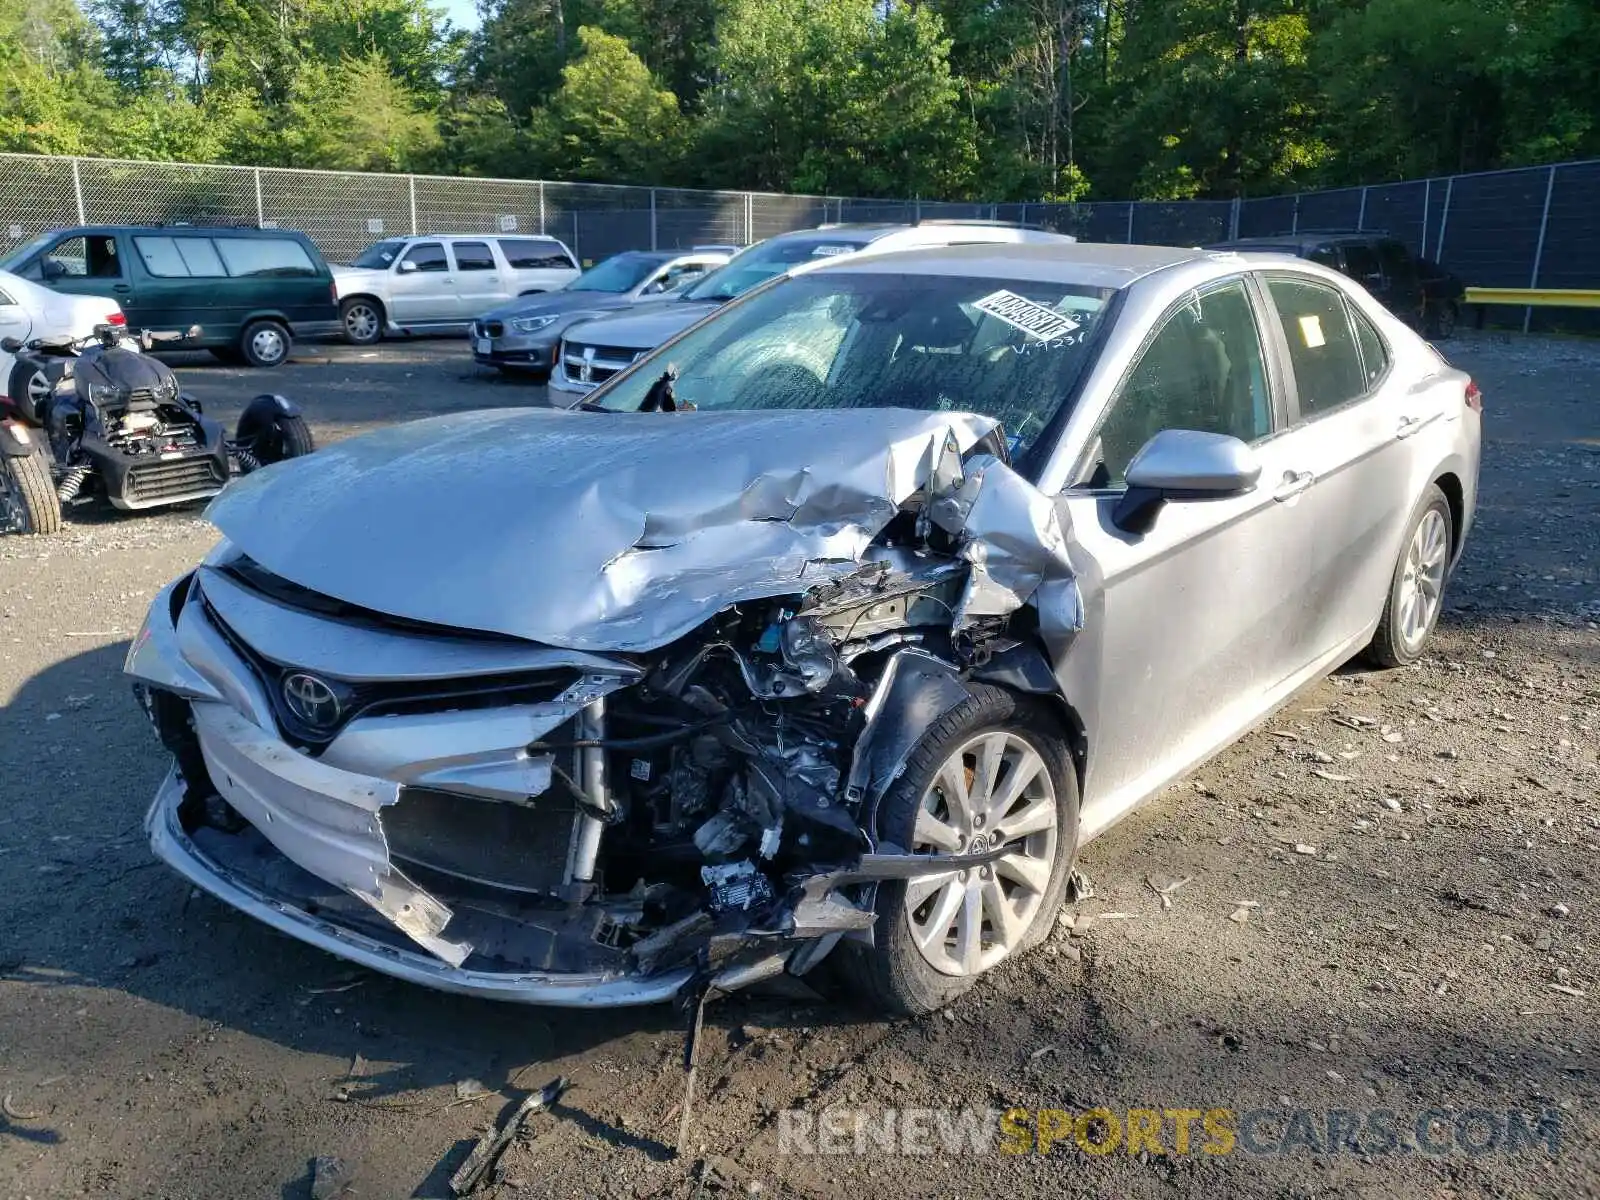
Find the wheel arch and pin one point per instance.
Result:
(1024, 667)
(371, 298)
(1449, 483)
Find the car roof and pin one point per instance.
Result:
(180, 229)
(1303, 240)
(1095, 264)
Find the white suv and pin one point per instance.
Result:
(438, 283)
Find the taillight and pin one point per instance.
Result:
(117, 318)
(1474, 397)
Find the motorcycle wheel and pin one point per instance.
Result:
(270, 434)
(28, 501)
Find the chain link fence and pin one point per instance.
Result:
(1532, 227)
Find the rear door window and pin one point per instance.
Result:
(1361, 264)
(473, 256)
(427, 256)
(1397, 261)
(179, 258)
(1323, 349)
(536, 254)
(279, 258)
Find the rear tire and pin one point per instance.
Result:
(1416, 590)
(913, 968)
(362, 319)
(29, 494)
(265, 344)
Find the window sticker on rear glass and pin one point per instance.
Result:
(1311, 332)
(1031, 317)
(828, 251)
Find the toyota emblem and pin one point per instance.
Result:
(311, 700)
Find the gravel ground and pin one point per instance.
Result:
(1390, 905)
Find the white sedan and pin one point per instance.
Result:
(29, 311)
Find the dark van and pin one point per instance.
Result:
(251, 291)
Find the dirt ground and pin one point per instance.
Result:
(1390, 907)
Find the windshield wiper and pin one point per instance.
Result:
(591, 406)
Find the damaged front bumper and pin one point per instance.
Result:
(175, 847)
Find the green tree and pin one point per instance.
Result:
(836, 96)
(1220, 100)
(608, 120)
(355, 115)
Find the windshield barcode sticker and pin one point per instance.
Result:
(1027, 315)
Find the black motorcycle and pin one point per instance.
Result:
(121, 430)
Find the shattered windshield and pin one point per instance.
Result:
(1012, 349)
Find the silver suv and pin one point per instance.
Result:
(439, 283)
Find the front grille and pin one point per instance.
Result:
(388, 697)
(145, 396)
(614, 354)
(149, 482)
(491, 329)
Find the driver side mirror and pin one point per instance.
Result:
(10, 345)
(49, 268)
(1183, 464)
(406, 266)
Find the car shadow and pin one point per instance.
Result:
(91, 911)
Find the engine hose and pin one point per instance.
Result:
(72, 483)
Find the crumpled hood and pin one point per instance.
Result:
(556, 303)
(590, 531)
(645, 326)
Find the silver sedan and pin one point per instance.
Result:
(871, 599)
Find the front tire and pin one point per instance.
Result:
(362, 320)
(28, 500)
(272, 433)
(995, 770)
(1416, 590)
(265, 344)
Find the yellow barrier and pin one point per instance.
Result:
(1536, 297)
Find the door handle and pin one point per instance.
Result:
(1407, 426)
(1294, 482)
(120, 287)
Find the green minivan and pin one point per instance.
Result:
(251, 291)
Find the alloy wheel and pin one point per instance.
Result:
(39, 390)
(993, 791)
(361, 322)
(1422, 581)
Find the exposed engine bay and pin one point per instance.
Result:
(702, 803)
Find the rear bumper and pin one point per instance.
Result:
(175, 848)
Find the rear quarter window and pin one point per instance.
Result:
(536, 254)
(277, 258)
